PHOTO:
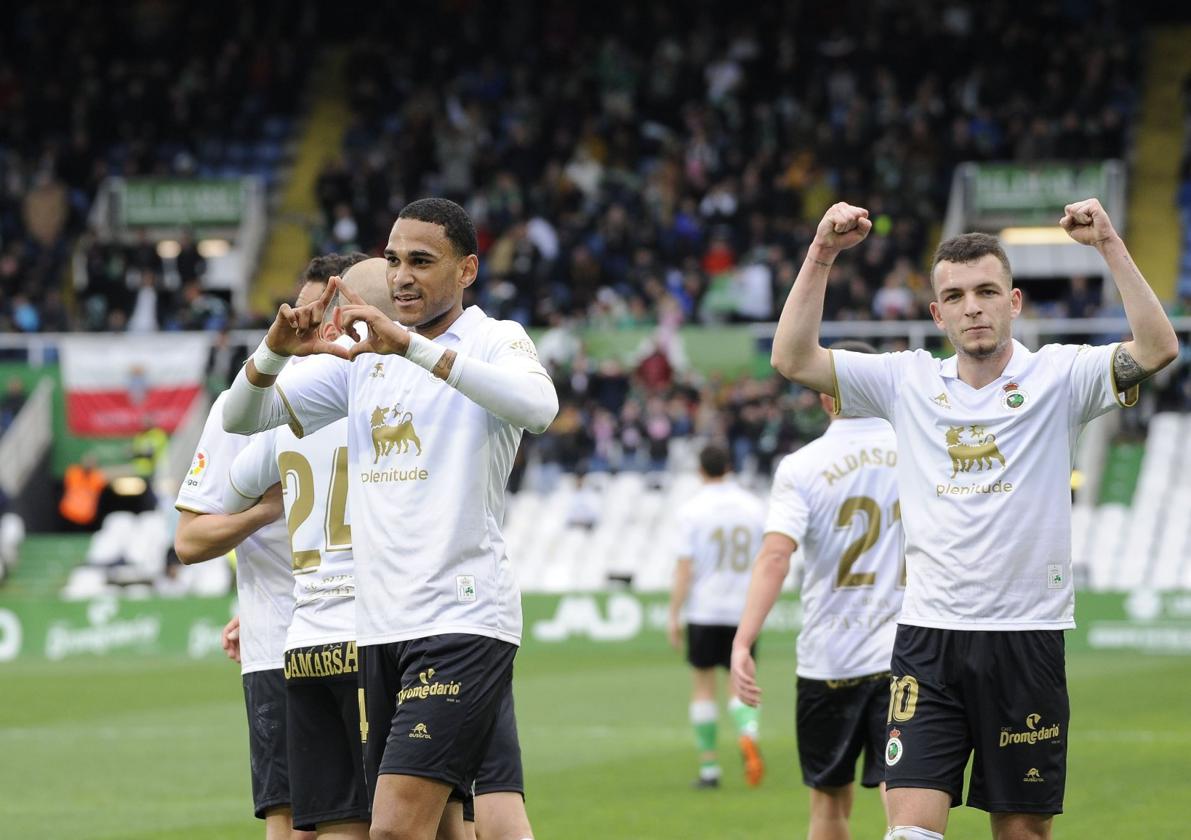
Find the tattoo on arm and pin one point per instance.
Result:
(1126, 371)
(443, 369)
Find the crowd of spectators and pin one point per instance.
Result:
(671, 160)
(89, 90)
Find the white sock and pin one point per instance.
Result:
(911, 832)
(703, 711)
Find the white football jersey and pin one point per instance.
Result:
(314, 475)
(720, 530)
(264, 587)
(427, 472)
(836, 498)
(984, 477)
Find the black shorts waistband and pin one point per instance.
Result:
(337, 659)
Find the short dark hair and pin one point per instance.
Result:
(967, 248)
(854, 345)
(351, 259)
(322, 268)
(461, 231)
(714, 460)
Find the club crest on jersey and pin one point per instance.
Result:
(973, 449)
(1014, 397)
(396, 435)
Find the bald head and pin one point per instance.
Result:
(367, 279)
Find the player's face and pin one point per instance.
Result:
(426, 276)
(975, 306)
(310, 292)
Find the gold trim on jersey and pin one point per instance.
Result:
(295, 425)
(837, 404)
(1132, 395)
(188, 509)
(240, 492)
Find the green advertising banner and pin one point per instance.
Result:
(1144, 622)
(171, 202)
(1023, 194)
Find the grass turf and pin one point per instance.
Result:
(136, 749)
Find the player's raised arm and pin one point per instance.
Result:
(517, 393)
(797, 354)
(1154, 344)
(253, 404)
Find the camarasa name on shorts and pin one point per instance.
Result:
(331, 660)
(872, 457)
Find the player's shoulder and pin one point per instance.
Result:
(1065, 354)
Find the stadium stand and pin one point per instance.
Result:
(89, 91)
(654, 170)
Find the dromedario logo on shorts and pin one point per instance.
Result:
(1032, 734)
(427, 686)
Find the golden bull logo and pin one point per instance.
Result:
(978, 452)
(399, 435)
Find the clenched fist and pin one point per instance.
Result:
(842, 226)
(1087, 223)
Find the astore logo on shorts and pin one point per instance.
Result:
(419, 732)
(1032, 775)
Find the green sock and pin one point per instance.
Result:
(704, 721)
(746, 718)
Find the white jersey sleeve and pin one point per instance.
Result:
(510, 346)
(315, 392)
(789, 510)
(253, 472)
(1093, 383)
(264, 587)
(866, 384)
(202, 489)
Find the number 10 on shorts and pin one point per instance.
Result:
(903, 699)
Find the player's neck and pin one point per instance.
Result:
(435, 327)
(978, 371)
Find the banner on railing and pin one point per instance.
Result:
(48, 629)
(121, 385)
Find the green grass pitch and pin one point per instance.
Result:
(137, 749)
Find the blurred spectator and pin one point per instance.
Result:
(82, 485)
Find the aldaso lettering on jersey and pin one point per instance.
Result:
(872, 457)
(331, 660)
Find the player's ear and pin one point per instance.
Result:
(469, 267)
(329, 332)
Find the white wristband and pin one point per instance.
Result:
(423, 352)
(267, 362)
